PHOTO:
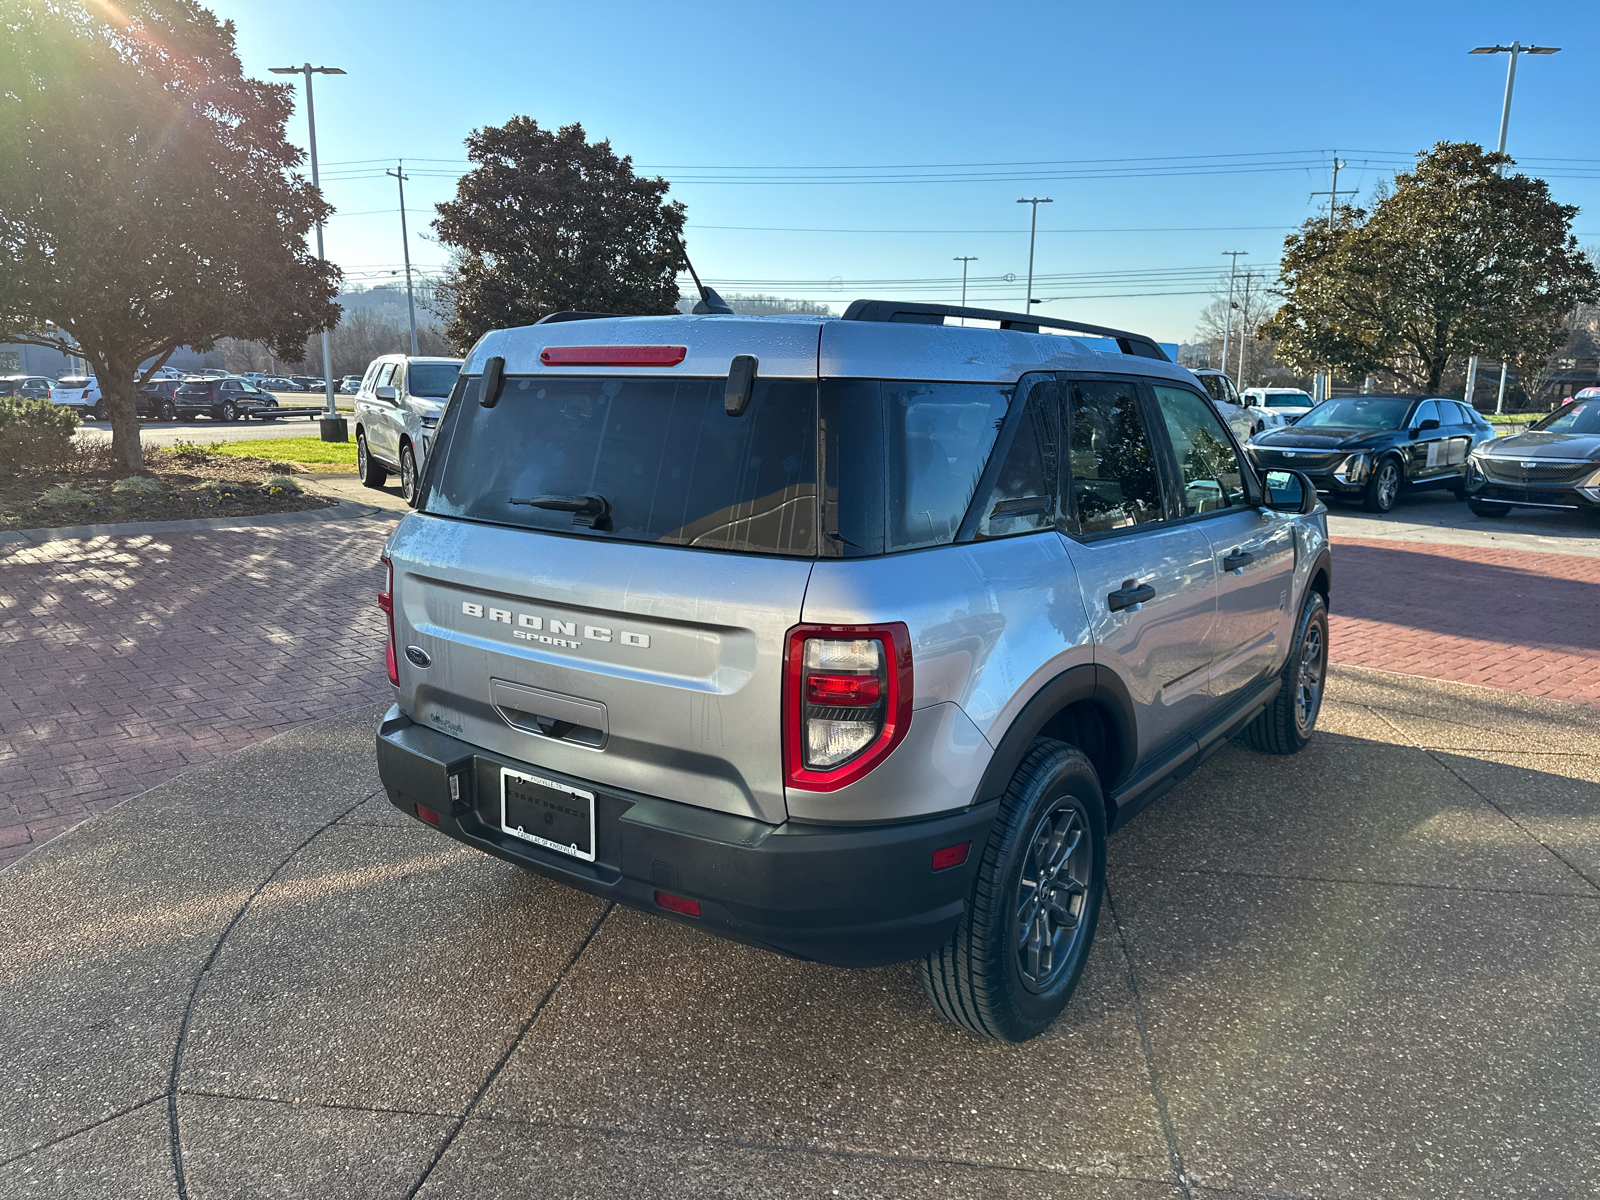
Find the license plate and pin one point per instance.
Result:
(547, 813)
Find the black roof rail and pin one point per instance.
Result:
(912, 313)
(556, 318)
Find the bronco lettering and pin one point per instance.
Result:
(528, 627)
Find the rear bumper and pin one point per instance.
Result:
(852, 896)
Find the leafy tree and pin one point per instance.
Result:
(147, 198)
(1456, 259)
(550, 221)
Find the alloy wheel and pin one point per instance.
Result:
(1388, 485)
(408, 477)
(361, 457)
(1309, 679)
(1052, 894)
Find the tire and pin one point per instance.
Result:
(408, 475)
(1459, 492)
(371, 474)
(227, 412)
(1488, 508)
(99, 410)
(169, 411)
(1383, 489)
(1289, 721)
(989, 978)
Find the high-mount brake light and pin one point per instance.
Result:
(612, 356)
(386, 602)
(847, 693)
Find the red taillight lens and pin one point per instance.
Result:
(846, 701)
(386, 602)
(612, 356)
(677, 904)
(950, 856)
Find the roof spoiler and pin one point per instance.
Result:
(908, 313)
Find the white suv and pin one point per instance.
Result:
(398, 407)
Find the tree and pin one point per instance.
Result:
(1457, 259)
(148, 198)
(550, 221)
(1253, 306)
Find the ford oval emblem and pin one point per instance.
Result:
(418, 655)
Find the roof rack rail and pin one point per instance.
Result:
(556, 318)
(911, 313)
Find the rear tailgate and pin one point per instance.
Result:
(651, 668)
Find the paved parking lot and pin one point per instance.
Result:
(1370, 970)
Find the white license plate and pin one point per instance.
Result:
(547, 813)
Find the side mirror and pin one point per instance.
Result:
(1291, 492)
(1430, 423)
(386, 392)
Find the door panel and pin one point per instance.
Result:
(1254, 614)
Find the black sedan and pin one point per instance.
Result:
(229, 399)
(1555, 464)
(1373, 448)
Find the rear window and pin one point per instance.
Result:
(432, 379)
(662, 454)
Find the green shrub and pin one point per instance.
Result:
(62, 494)
(190, 451)
(36, 433)
(139, 485)
(283, 483)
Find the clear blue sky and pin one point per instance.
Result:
(796, 96)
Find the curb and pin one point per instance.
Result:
(340, 510)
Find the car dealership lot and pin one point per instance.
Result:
(1366, 970)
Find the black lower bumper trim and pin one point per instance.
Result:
(854, 896)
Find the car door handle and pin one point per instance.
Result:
(1131, 594)
(1238, 560)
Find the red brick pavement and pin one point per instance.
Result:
(1515, 620)
(127, 660)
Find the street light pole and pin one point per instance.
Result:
(1033, 231)
(1244, 330)
(405, 247)
(964, 259)
(311, 120)
(1227, 329)
(1514, 49)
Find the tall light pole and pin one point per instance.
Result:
(1514, 49)
(1227, 329)
(1033, 232)
(405, 247)
(1244, 331)
(311, 121)
(964, 259)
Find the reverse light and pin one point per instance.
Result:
(386, 602)
(677, 904)
(846, 701)
(612, 356)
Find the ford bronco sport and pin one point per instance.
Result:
(847, 638)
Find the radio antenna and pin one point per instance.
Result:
(709, 302)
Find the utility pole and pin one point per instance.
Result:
(1227, 329)
(1514, 49)
(405, 246)
(1244, 330)
(1033, 231)
(1334, 193)
(331, 413)
(964, 259)
(1500, 400)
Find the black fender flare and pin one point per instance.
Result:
(1088, 681)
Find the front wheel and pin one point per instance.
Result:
(1016, 957)
(408, 476)
(1383, 489)
(1286, 725)
(1488, 508)
(370, 473)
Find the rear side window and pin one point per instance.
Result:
(661, 457)
(1112, 459)
(1023, 499)
(940, 436)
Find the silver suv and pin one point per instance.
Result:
(847, 638)
(397, 412)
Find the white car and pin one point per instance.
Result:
(1225, 398)
(81, 392)
(398, 408)
(1277, 406)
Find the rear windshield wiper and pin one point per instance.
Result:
(593, 512)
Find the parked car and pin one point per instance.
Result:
(350, 385)
(397, 412)
(1374, 448)
(1555, 463)
(847, 638)
(310, 383)
(1226, 399)
(207, 373)
(26, 387)
(158, 399)
(229, 399)
(278, 383)
(81, 392)
(1277, 406)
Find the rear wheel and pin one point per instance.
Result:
(227, 411)
(1287, 723)
(169, 411)
(408, 475)
(1015, 958)
(1383, 489)
(1488, 508)
(372, 475)
(99, 411)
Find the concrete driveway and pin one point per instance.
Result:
(1369, 970)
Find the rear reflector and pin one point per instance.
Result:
(428, 815)
(612, 356)
(950, 856)
(677, 904)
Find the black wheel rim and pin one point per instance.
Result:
(1388, 485)
(1308, 681)
(1053, 895)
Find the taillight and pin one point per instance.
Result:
(846, 701)
(612, 356)
(386, 602)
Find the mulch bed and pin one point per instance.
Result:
(243, 493)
